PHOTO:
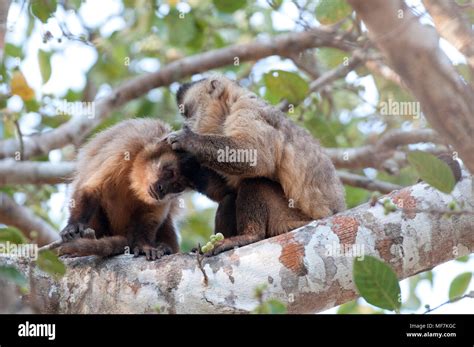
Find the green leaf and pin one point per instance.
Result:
(355, 196)
(284, 85)
(11, 274)
(271, 306)
(276, 306)
(433, 171)
(348, 308)
(50, 263)
(44, 60)
(32, 105)
(331, 57)
(332, 11)
(12, 235)
(54, 121)
(377, 283)
(464, 259)
(13, 51)
(459, 285)
(229, 6)
(43, 9)
(181, 27)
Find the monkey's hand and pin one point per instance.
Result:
(153, 253)
(73, 231)
(181, 139)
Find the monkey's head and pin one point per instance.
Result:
(156, 173)
(206, 103)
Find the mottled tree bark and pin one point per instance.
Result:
(412, 50)
(302, 268)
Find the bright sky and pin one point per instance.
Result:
(74, 59)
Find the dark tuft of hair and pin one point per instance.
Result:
(182, 90)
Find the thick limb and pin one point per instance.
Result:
(251, 216)
(225, 222)
(85, 206)
(215, 151)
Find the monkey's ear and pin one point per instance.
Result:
(216, 87)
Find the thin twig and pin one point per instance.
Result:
(20, 137)
(435, 211)
(199, 258)
(468, 295)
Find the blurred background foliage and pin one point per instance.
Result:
(139, 36)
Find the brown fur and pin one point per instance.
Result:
(257, 210)
(220, 113)
(262, 211)
(114, 193)
(177, 171)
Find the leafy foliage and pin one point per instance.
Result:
(269, 306)
(377, 283)
(50, 263)
(12, 235)
(459, 285)
(433, 171)
(332, 11)
(283, 85)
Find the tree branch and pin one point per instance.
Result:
(76, 129)
(453, 26)
(22, 218)
(413, 51)
(303, 268)
(31, 172)
(332, 75)
(367, 183)
(376, 154)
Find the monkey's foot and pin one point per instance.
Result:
(152, 253)
(222, 246)
(74, 231)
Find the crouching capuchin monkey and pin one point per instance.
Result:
(116, 193)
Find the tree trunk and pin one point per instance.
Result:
(413, 51)
(301, 268)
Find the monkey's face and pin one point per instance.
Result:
(169, 181)
(206, 103)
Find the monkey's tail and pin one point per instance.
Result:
(104, 247)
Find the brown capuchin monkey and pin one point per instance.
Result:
(116, 193)
(257, 210)
(223, 119)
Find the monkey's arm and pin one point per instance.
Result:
(211, 184)
(213, 151)
(85, 205)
